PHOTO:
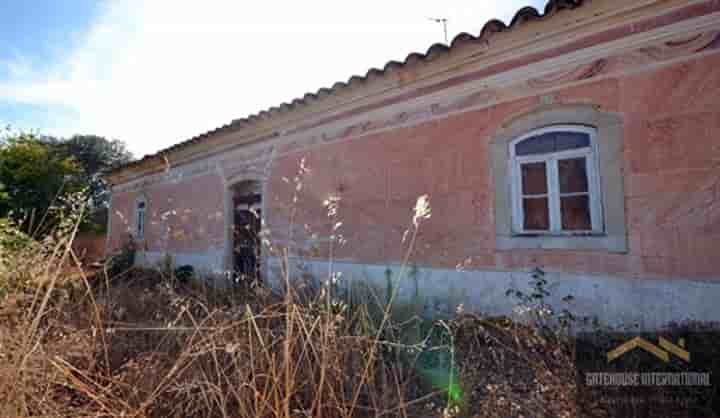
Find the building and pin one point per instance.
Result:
(584, 140)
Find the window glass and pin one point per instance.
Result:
(536, 213)
(575, 212)
(552, 142)
(571, 140)
(572, 174)
(140, 216)
(534, 178)
(540, 144)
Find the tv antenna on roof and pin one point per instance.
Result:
(444, 23)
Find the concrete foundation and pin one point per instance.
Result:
(205, 262)
(620, 303)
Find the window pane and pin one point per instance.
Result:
(571, 140)
(575, 212)
(552, 142)
(141, 205)
(140, 223)
(573, 175)
(536, 214)
(541, 144)
(534, 180)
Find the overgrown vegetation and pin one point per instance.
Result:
(37, 172)
(126, 342)
(121, 341)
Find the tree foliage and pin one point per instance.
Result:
(36, 172)
(96, 156)
(33, 176)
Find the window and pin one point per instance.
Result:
(140, 219)
(558, 180)
(555, 182)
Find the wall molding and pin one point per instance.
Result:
(675, 43)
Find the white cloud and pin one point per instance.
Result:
(155, 73)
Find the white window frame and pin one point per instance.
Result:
(553, 193)
(140, 218)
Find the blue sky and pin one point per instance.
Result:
(40, 27)
(33, 34)
(154, 73)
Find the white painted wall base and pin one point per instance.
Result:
(621, 303)
(205, 262)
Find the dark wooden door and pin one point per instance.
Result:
(246, 251)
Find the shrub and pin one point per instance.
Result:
(184, 273)
(123, 260)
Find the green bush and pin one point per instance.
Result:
(13, 242)
(184, 273)
(122, 261)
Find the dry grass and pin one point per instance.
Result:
(150, 350)
(140, 344)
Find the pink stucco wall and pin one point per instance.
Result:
(671, 119)
(671, 172)
(182, 216)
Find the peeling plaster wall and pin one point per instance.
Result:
(671, 271)
(184, 216)
(436, 141)
(671, 119)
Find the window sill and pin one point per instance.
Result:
(589, 242)
(558, 235)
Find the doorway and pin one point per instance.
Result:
(247, 223)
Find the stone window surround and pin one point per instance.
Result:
(609, 141)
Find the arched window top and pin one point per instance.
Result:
(553, 139)
(556, 182)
